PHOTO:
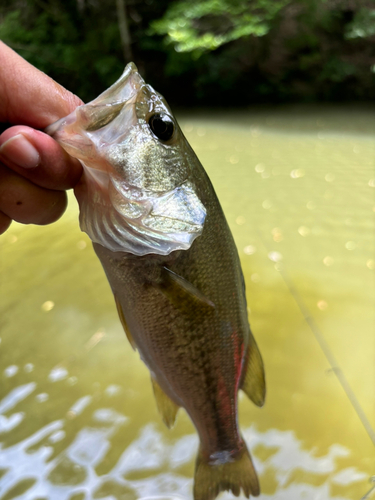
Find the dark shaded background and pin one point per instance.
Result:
(210, 52)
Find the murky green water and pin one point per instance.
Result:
(77, 415)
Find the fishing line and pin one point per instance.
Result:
(366, 495)
(319, 337)
(330, 357)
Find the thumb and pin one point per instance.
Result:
(29, 96)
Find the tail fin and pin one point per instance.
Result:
(231, 475)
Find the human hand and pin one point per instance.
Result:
(34, 170)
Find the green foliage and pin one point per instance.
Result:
(57, 38)
(363, 24)
(203, 52)
(199, 26)
(336, 70)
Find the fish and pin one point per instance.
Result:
(166, 248)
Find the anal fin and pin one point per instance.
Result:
(167, 408)
(253, 381)
(124, 324)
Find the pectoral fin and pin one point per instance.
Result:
(124, 324)
(167, 408)
(253, 382)
(181, 293)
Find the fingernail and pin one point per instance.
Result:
(20, 151)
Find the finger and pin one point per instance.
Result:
(29, 96)
(23, 201)
(39, 158)
(5, 222)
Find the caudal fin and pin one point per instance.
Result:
(234, 474)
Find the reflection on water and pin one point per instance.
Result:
(77, 416)
(73, 472)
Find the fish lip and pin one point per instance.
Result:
(121, 92)
(113, 94)
(54, 127)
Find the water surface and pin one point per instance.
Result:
(77, 415)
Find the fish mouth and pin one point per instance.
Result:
(76, 132)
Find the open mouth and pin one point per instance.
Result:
(76, 132)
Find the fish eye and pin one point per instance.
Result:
(162, 126)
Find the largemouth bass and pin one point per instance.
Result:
(162, 238)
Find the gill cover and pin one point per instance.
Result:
(119, 153)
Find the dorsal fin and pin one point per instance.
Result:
(167, 408)
(253, 381)
(124, 324)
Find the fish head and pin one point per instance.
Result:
(138, 192)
